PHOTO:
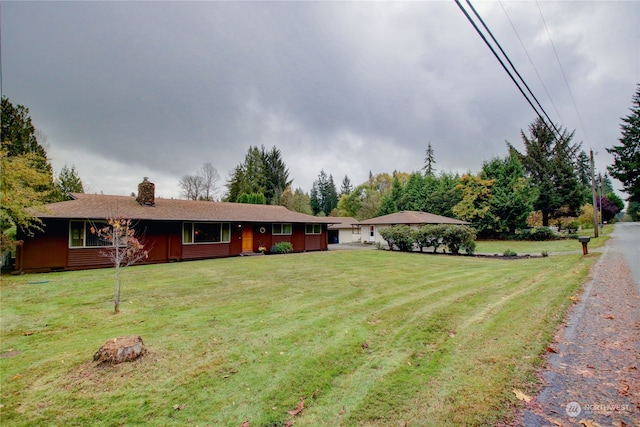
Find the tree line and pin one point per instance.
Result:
(550, 176)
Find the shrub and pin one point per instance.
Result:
(536, 233)
(544, 254)
(398, 236)
(458, 237)
(429, 236)
(509, 253)
(282, 248)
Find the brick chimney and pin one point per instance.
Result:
(146, 193)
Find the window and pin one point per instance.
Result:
(313, 229)
(355, 229)
(284, 228)
(81, 236)
(206, 232)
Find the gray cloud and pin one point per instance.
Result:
(126, 89)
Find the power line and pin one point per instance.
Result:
(554, 131)
(531, 61)
(563, 73)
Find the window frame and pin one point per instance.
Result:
(313, 229)
(85, 235)
(224, 233)
(283, 226)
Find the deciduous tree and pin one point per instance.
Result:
(123, 249)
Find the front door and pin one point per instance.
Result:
(247, 239)
(372, 233)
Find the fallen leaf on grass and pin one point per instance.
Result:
(521, 396)
(342, 411)
(624, 390)
(574, 299)
(230, 372)
(180, 407)
(245, 424)
(610, 317)
(288, 424)
(589, 423)
(299, 409)
(551, 350)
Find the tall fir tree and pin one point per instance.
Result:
(429, 162)
(346, 187)
(626, 156)
(549, 161)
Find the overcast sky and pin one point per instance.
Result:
(124, 90)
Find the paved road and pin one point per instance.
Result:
(593, 373)
(626, 239)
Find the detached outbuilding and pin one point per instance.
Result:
(370, 228)
(173, 230)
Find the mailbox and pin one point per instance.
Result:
(584, 240)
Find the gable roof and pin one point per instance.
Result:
(98, 206)
(411, 217)
(342, 222)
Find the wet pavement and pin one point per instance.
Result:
(592, 376)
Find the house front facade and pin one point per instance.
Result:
(370, 228)
(170, 229)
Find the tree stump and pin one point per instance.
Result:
(121, 349)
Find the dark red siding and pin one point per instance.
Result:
(49, 250)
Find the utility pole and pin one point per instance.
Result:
(593, 191)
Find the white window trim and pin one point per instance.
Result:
(282, 224)
(86, 230)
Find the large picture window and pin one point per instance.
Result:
(281, 228)
(206, 232)
(313, 229)
(80, 235)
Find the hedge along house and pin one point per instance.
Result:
(171, 229)
(370, 228)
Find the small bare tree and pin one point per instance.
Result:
(122, 248)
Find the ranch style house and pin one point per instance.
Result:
(172, 230)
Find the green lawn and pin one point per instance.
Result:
(245, 339)
(550, 246)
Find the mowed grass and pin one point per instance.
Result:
(248, 339)
(549, 246)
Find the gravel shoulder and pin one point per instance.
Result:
(592, 372)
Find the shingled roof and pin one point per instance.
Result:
(411, 217)
(98, 206)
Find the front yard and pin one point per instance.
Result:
(370, 338)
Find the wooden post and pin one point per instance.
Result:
(593, 191)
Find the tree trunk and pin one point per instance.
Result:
(545, 218)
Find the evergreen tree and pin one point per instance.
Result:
(324, 196)
(18, 136)
(69, 182)
(261, 172)
(414, 194)
(429, 161)
(346, 187)
(512, 196)
(549, 162)
(626, 156)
